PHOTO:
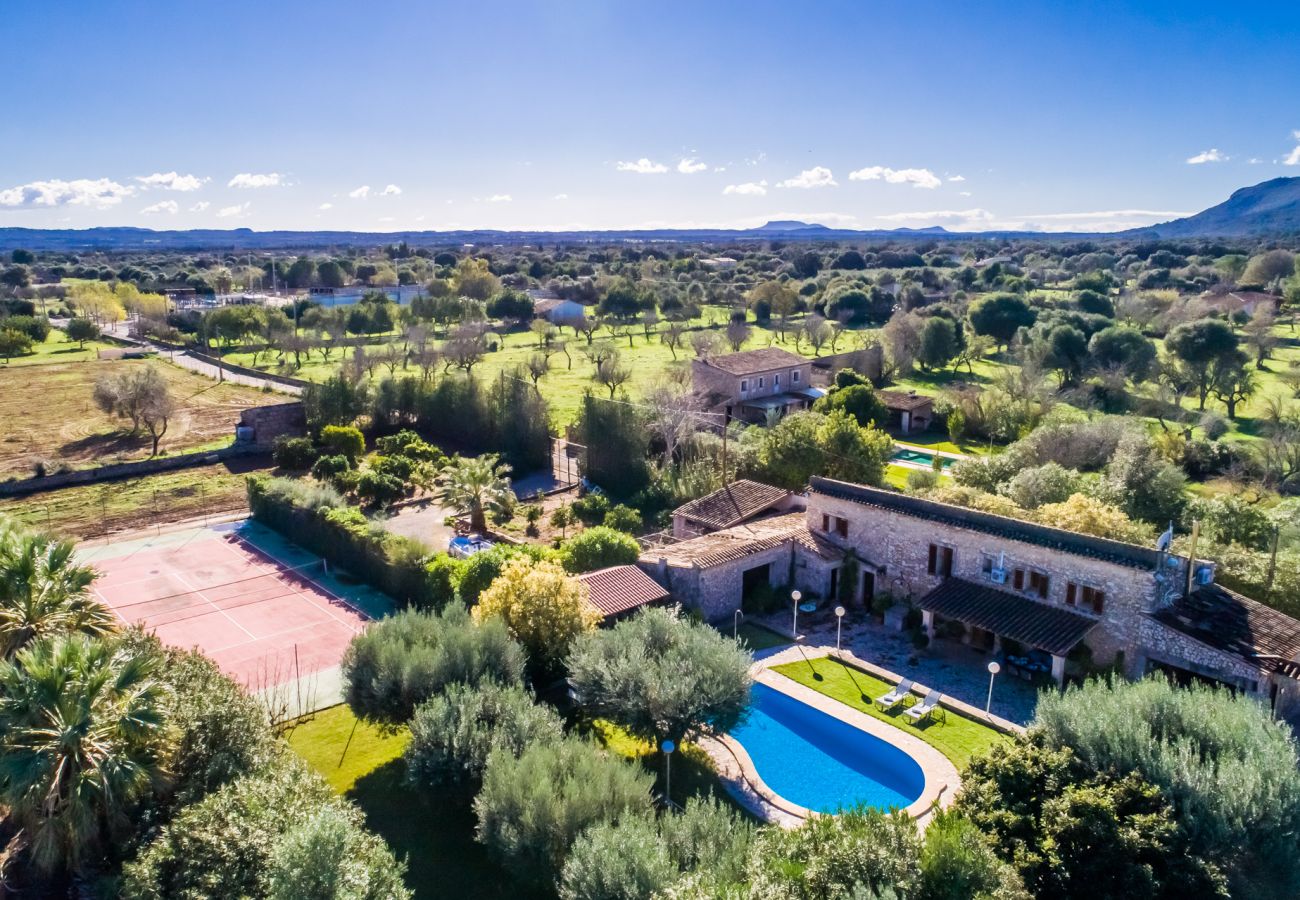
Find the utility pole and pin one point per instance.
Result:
(1272, 561)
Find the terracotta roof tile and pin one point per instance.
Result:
(752, 362)
(904, 401)
(1050, 628)
(621, 589)
(732, 504)
(744, 540)
(1227, 621)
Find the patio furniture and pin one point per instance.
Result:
(925, 708)
(896, 696)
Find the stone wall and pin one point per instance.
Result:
(269, 422)
(717, 591)
(1160, 643)
(115, 471)
(899, 544)
(867, 362)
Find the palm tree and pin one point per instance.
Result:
(44, 592)
(474, 486)
(81, 738)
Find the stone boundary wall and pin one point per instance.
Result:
(251, 373)
(115, 471)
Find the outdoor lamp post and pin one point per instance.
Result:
(795, 597)
(735, 626)
(668, 747)
(839, 623)
(994, 669)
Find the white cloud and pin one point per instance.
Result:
(922, 178)
(560, 197)
(360, 193)
(690, 166)
(1207, 156)
(391, 190)
(956, 177)
(97, 192)
(1114, 214)
(171, 207)
(983, 220)
(227, 212)
(817, 176)
(748, 189)
(250, 180)
(643, 166)
(499, 198)
(171, 181)
(1293, 158)
(200, 206)
(325, 206)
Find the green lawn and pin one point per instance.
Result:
(693, 774)
(57, 349)
(756, 637)
(953, 735)
(435, 837)
(650, 359)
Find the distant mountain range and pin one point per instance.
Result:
(1272, 207)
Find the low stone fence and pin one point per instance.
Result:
(114, 471)
(251, 373)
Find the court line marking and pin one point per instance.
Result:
(214, 606)
(322, 588)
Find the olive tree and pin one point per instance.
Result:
(662, 676)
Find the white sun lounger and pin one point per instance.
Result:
(895, 697)
(926, 707)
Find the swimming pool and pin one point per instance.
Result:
(920, 457)
(816, 761)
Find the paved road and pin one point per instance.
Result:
(184, 360)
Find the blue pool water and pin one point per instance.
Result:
(819, 762)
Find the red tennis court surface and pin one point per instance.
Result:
(264, 622)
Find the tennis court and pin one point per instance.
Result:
(268, 612)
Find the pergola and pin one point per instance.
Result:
(1005, 615)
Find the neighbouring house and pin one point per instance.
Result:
(908, 410)
(753, 384)
(867, 362)
(1063, 601)
(738, 502)
(556, 310)
(619, 591)
(1247, 302)
(718, 262)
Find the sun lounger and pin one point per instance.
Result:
(926, 707)
(895, 697)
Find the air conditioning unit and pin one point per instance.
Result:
(998, 576)
(1204, 575)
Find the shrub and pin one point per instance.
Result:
(1228, 767)
(343, 439)
(327, 467)
(532, 807)
(624, 518)
(598, 548)
(379, 489)
(958, 862)
(441, 575)
(661, 676)
(453, 733)
(859, 853)
(1049, 483)
(231, 843)
(481, 569)
(401, 661)
(328, 856)
(591, 508)
(544, 608)
(293, 454)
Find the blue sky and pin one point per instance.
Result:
(583, 114)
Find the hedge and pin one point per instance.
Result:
(403, 568)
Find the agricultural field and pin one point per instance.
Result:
(51, 418)
(91, 510)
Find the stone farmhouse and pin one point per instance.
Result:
(1070, 600)
(908, 411)
(754, 383)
